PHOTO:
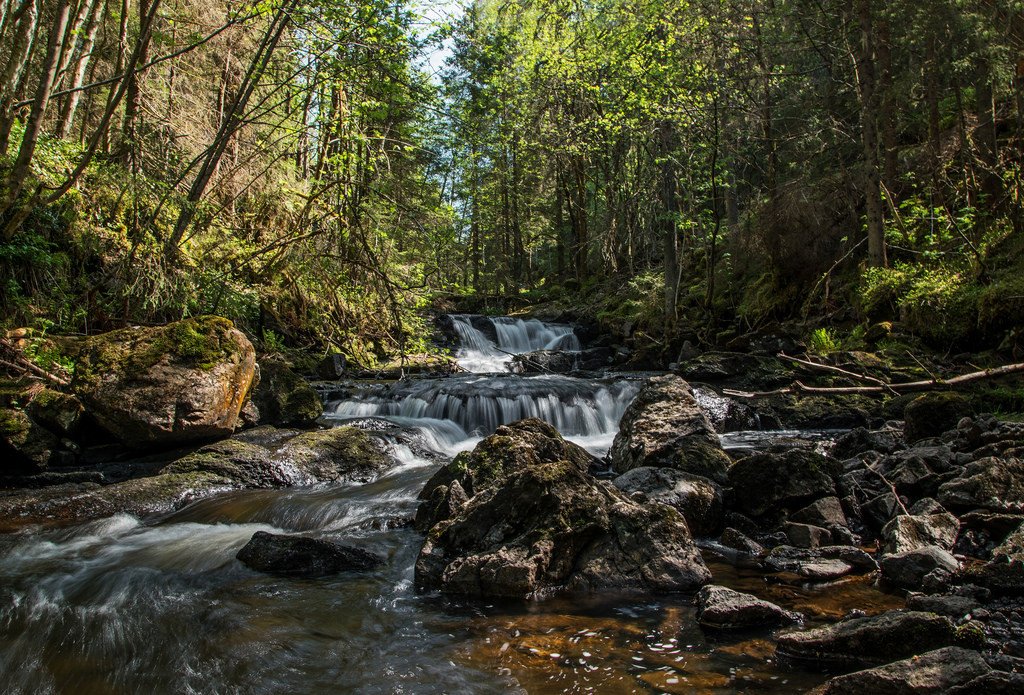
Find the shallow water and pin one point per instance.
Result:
(161, 605)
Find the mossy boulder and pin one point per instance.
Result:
(185, 381)
(537, 525)
(285, 398)
(868, 641)
(932, 414)
(766, 485)
(664, 426)
(61, 413)
(331, 455)
(247, 464)
(25, 447)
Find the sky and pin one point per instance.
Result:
(435, 13)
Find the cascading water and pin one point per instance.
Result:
(514, 336)
(162, 605)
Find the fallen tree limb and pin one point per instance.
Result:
(834, 370)
(798, 387)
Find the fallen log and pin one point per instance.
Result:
(798, 387)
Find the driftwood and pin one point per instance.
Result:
(798, 387)
(15, 362)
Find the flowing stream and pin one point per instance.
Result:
(124, 605)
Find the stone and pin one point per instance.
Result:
(827, 511)
(300, 556)
(737, 540)
(284, 398)
(60, 413)
(767, 483)
(860, 440)
(907, 570)
(724, 609)
(1012, 547)
(820, 564)
(871, 640)
(877, 511)
(537, 522)
(952, 606)
(939, 671)
(931, 414)
(245, 464)
(336, 454)
(913, 531)
(697, 498)
(445, 501)
(332, 366)
(664, 426)
(807, 536)
(992, 483)
(183, 382)
(25, 447)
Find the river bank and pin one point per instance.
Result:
(800, 502)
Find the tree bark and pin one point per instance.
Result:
(866, 81)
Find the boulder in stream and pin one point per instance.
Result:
(285, 398)
(722, 608)
(664, 426)
(537, 522)
(947, 670)
(767, 484)
(301, 556)
(182, 382)
(992, 483)
(872, 640)
(697, 498)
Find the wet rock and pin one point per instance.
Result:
(664, 426)
(913, 531)
(992, 683)
(877, 511)
(445, 501)
(562, 361)
(1012, 547)
(724, 609)
(737, 368)
(185, 381)
(25, 447)
(535, 525)
(940, 671)
(828, 511)
(1000, 577)
(807, 536)
(931, 414)
(335, 454)
(333, 366)
(698, 499)
(992, 483)
(860, 440)
(300, 556)
(908, 570)
(60, 413)
(820, 564)
(737, 540)
(245, 464)
(285, 398)
(767, 483)
(952, 606)
(872, 640)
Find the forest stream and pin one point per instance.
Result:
(162, 605)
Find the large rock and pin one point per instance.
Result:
(335, 454)
(25, 447)
(664, 426)
(768, 483)
(537, 521)
(913, 531)
(907, 570)
(181, 382)
(300, 556)
(873, 640)
(697, 498)
(990, 483)
(285, 398)
(60, 413)
(932, 414)
(940, 671)
(722, 608)
(244, 463)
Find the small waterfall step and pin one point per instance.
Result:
(487, 344)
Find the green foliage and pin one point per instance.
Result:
(823, 341)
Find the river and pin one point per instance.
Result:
(124, 605)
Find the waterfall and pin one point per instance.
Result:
(479, 354)
(586, 410)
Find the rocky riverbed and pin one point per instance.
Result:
(624, 549)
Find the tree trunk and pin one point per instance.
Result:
(78, 69)
(866, 81)
(23, 23)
